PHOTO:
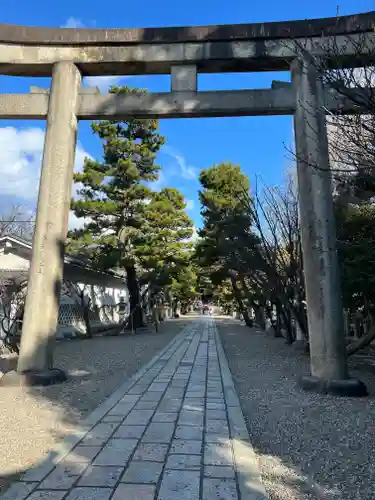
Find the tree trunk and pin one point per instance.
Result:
(86, 319)
(361, 344)
(242, 308)
(135, 317)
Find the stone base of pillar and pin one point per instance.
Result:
(351, 388)
(33, 378)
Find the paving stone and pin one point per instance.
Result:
(113, 418)
(137, 417)
(170, 405)
(183, 485)
(186, 447)
(159, 433)
(82, 454)
(199, 402)
(116, 452)
(165, 417)
(190, 407)
(175, 392)
(151, 452)
(137, 390)
(215, 438)
(18, 491)
(63, 476)
(178, 383)
(100, 476)
(217, 427)
(142, 472)
(121, 409)
(216, 415)
(219, 489)
(83, 493)
(215, 406)
(184, 462)
(217, 454)
(47, 495)
(134, 492)
(99, 434)
(146, 405)
(129, 398)
(215, 395)
(152, 396)
(158, 386)
(130, 431)
(189, 432)
(219, 472)
(188, 417)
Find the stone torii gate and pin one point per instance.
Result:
(70, 54)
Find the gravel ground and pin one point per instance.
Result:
(309, 446)
(32, 420)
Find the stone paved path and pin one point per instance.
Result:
(173, 431)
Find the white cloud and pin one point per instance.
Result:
(20, 161)
(189, 204)
(102, 82)
(188, 172)
(73, 22)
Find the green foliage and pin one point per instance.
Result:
(114, 191)
(165, 248)
(226, 236)
(356, 249)
(128, 225)
(183, 286)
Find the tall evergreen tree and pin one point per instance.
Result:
(164, 247)
(114, 194)
(227, 241)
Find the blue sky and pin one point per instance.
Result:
(258, 144)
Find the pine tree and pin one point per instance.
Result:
(227, 239)
(114, 196)
(164, 247)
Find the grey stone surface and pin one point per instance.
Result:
(85, 453)
(217, 427)
(182, 462)
(137, 417)
(218, 454)
(164, 417)
(186, 447)
(151, 452)
(189, 432)
(217, 489)
(18, 491)
(47, 495)
(130, 431)
(63, 476)
(101, 476)
(219, 471)
(159, 433)
(100, 434)
(134, 492)
(190, 417)
(183, 485)
(83, 493)
(116, 452)
(162, 445)
(139, 472)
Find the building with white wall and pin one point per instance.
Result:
(106, 291)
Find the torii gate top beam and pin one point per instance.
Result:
(31, 51)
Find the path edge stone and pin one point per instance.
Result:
(246, 463)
